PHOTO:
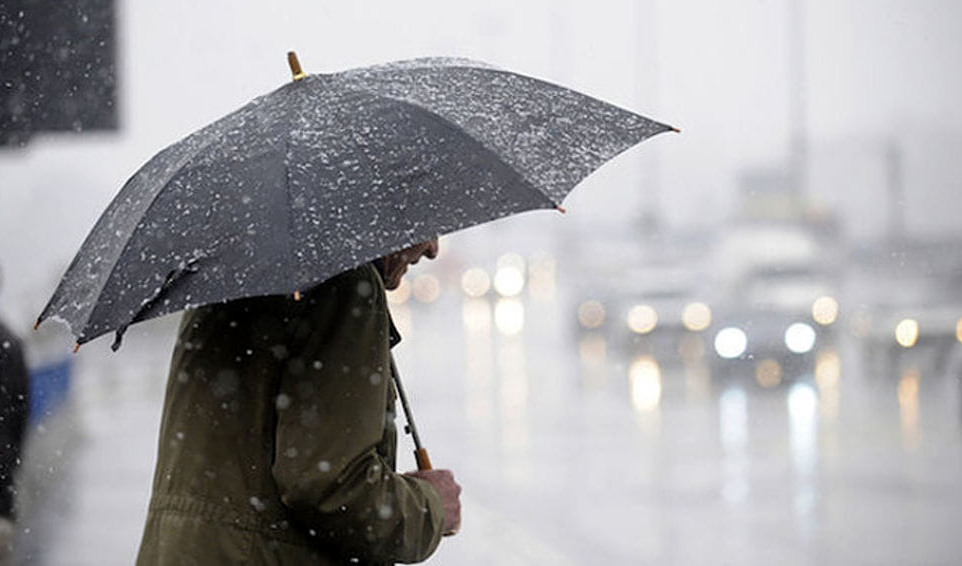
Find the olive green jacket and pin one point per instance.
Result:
(277, 444)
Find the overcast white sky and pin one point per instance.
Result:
(875, 70)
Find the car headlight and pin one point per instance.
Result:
(731, 342)
(825, 310)
(800, 338)
(907, 332)
(696, 316)
(642, 319)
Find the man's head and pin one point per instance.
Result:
(396, 264)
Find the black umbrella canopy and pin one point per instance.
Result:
(330, 172)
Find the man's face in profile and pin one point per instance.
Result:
(396, 264)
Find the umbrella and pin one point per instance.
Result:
(329, 172)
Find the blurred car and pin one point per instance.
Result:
(773, 321)
(767, 346)
(645, 301)
(910, 316)
(927, 339)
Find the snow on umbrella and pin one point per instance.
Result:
(327, 173)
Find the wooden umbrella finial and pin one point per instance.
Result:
(295, 65)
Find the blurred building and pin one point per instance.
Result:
(896, 187)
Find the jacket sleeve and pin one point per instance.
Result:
(331, 411)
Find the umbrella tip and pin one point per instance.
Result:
(674, 129)
(295, 66)
(297, 295)
(76, 347)
(36, 325)
(560, 209)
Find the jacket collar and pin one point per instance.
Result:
(394, 337)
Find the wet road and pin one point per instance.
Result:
(572, 450)
(605, 456)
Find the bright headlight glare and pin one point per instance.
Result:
(696, 316)
(800, 338)
(475, 282)
(509, 281)
(509, 316)
(825, 310)
(642, 319)
(907, 332)
(731, 342)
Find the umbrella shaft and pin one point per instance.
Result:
(407, 408)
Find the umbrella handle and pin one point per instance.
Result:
(421, 456)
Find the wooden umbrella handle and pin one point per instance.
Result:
(421, 456)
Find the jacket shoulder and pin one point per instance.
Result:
(360, 283)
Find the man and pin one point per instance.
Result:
(277, 444)
(14, 410)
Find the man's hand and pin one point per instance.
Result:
(450, 491)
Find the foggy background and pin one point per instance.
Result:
(817, 159)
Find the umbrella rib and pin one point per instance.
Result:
(153, 200)
(292, 253)
(425, 110)
(470, 65)
(665, 127)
